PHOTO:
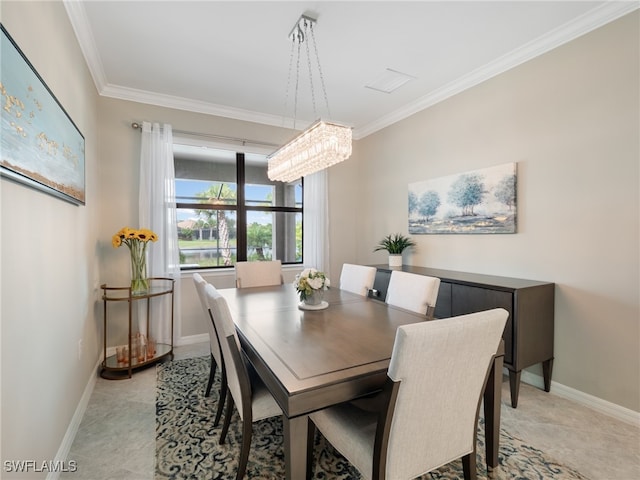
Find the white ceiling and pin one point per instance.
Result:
(232, 58)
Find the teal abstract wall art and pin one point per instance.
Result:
(40, 145)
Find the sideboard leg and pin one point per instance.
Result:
(547, 367)
(514, 386)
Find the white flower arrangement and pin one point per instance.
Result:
(309, 281)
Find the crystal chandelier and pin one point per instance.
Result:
(321, 145)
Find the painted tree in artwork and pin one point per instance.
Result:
(466, 192)
(413, 202)
(429, 203)
(506, 191)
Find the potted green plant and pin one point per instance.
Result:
(395, 244)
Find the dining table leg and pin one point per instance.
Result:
(492, 401)
(295, 446)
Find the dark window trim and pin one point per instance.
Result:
(241, 209)
(252, 208)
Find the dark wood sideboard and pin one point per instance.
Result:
(528, 335)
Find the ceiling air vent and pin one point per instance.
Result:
(389, 80)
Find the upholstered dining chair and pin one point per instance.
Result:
(214, 347)
(250, 396)
(417, 293)
(258, 274)
(357, 278)
(427, 413)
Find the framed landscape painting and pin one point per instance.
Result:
(478, 201)
(40, 145)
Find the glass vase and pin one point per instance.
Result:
(139, 280)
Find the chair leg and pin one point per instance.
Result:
(247, 431)
(469, 466)
(222, 398)
(227, 421)
(311, 436)
(212, 374)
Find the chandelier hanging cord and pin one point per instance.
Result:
(324, 89)
(303, 32)
(286, 95)
(313, 92)
(297, 36)
(295, 97)
(321, 145)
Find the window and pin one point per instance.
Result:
(228, 210)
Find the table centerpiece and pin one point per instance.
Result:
(310, 285)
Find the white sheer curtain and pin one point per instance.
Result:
(157, 204)
(316, 222)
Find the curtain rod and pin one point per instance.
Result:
(243, 141)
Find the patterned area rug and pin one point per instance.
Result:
(187, 443)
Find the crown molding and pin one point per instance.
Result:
(79, 21)
(587, 22)
(80, 24)
(190, 105)
(570, 31)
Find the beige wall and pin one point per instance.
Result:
(570, 120)
(49, 261)
(119, 174)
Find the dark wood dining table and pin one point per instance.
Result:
(311, 359)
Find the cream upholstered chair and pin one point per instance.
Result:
(417, 293)
(250, 396)
(357, 278)
(214, 347)
(258, 274)
(427, 414)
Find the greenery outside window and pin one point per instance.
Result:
(228, 210)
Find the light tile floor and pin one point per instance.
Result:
(116, 438)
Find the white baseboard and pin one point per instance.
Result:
(616, 411)
(74, 424)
